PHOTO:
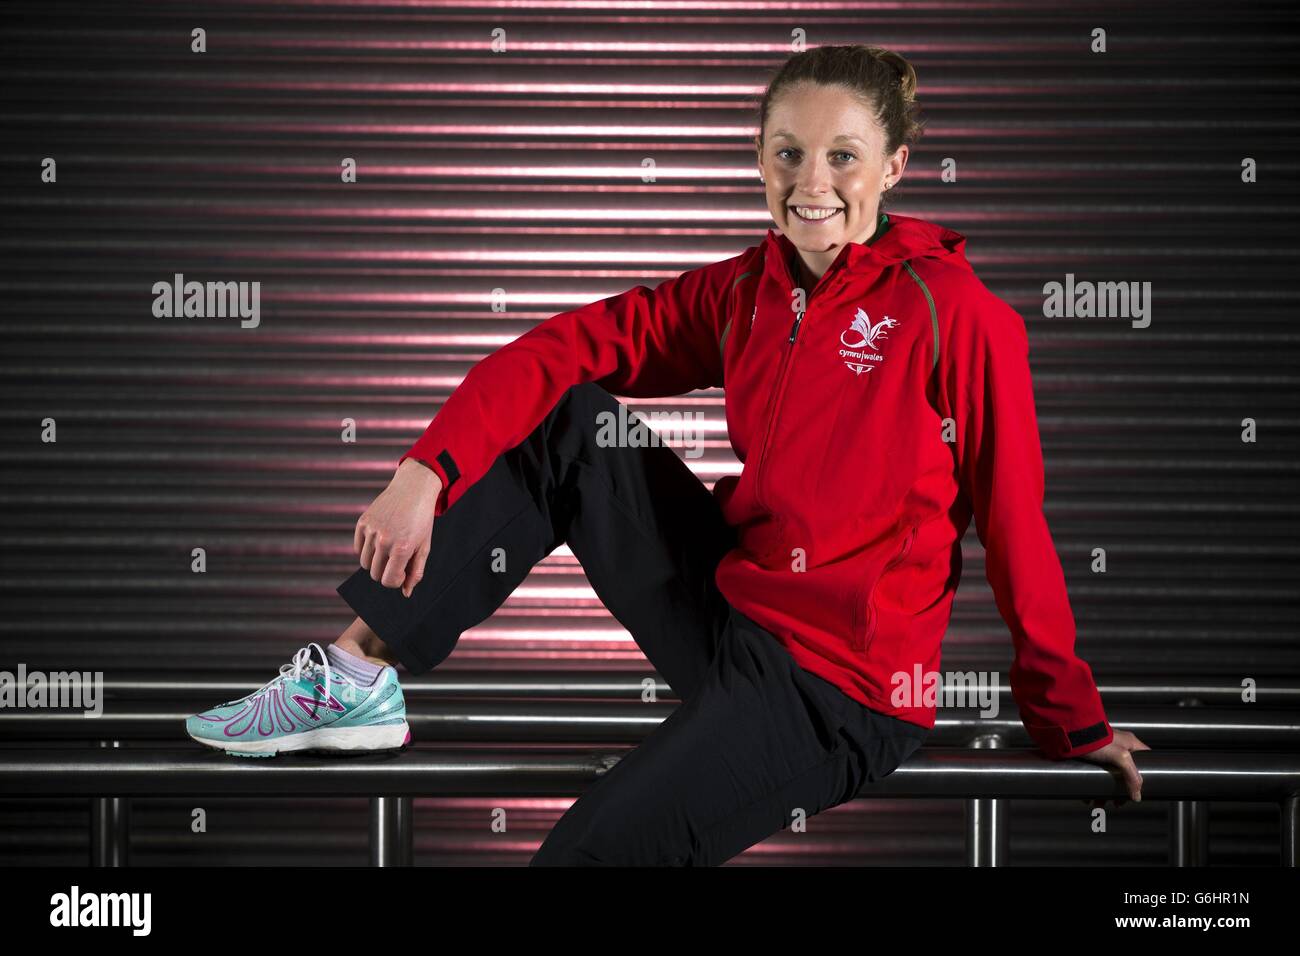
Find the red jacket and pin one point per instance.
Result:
(870, 427)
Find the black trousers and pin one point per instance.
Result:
(756, 743)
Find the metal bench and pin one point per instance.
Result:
(137, 748)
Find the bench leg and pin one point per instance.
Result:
(1291, 830)
(1189, 833)
(986, 821)
(392, 835)
(110, 826)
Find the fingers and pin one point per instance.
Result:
(368, 550)
(415, 570)
(391, 565)
(395, 568)
(379, 561)
(1132, 778)
(386, 564)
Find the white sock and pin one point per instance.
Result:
(358, 668)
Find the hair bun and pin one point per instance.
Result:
(903, 71)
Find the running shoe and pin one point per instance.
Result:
(293, 712)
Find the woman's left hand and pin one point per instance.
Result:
(1119, 753)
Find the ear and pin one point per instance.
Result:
(898, 163)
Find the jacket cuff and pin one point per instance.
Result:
(1061, 744)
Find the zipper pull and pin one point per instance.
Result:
(794, 329)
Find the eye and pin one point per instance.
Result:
(783, 149)
(845, 152)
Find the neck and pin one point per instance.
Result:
(807, 276)
(808, 273)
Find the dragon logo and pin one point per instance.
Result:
(868, 333)
(867, 337)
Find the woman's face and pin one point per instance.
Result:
(822, 156)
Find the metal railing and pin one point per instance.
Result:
(578, 721)
(449, 683)
(391, 781)
(979, 759)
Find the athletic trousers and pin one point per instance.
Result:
(756, 741)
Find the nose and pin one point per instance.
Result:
(814, 177)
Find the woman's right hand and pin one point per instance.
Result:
(1119, 753)
(392, 535)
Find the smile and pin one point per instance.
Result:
(816, 213)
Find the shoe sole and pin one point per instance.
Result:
(325, 740)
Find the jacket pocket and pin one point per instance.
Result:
(864, 607)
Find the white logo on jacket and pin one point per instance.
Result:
(867, 336)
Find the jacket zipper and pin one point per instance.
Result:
(776, 401)
(779, 391)
(871, 609)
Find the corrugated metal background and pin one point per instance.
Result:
(522, 170)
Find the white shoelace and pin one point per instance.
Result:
(302, 662)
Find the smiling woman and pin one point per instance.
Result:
(835, 126)
(877, 396)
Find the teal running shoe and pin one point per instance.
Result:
(293, 712)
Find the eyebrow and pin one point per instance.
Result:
(785, 134)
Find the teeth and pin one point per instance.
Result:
(808, 213)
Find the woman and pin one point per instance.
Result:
(879, 396)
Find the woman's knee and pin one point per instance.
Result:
(582, 404)
(576, 412)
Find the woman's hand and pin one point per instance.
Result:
(1119, 753)
(392, 535)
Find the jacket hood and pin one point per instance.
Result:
(897, 239)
